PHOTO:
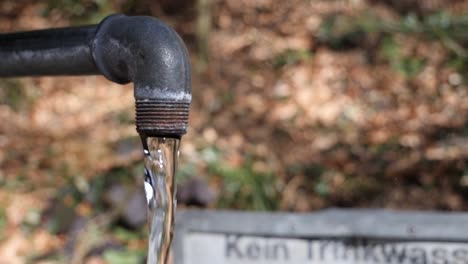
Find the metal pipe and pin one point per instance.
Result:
(63, 51)
(149, 53)
(140, 49)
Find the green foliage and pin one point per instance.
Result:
(185, 171)
(337, 29)
(410, 66)
(126, 235)
(340, 31)
(14, 94)
(124, 256)
(31, 220)
(62, 217)
(317, 183)
(459, 64)
(393, 144)
(356, 187)
(322, 188)
(3, 223)
(390, 49)
(450, 30)
(126, 116)
(290, 57)
(406, 65)
(18, 182)
(320, 184)
(243, 187)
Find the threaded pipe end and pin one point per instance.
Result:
(161, 118)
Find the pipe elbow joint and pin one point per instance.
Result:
(147, 52)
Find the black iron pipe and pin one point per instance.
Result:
(64, 51)
(149, 53)
(139, 49)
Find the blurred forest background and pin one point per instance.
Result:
(298, 105)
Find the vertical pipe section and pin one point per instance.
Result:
(62, 51)
(149, 53)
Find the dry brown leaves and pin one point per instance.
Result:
(303, 112)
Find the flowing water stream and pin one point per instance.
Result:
(160, 163)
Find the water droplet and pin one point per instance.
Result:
(149, 192)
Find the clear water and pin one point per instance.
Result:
(160, 162)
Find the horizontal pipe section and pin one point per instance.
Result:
(61, 51)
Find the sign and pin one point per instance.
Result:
(333, 237)
(237, 249)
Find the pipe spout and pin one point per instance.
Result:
(149, 53)
(137, 49)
